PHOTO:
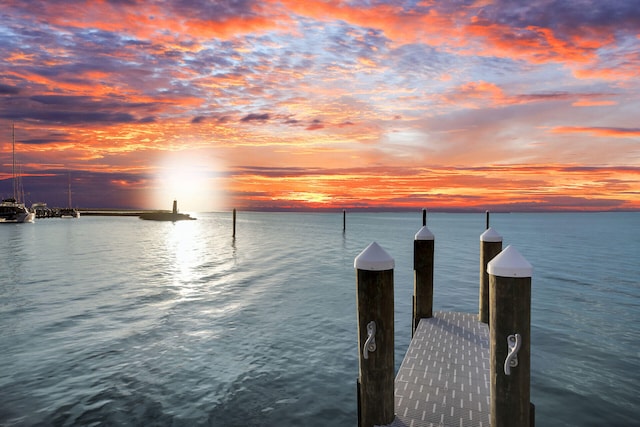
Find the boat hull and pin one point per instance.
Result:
(12, 212)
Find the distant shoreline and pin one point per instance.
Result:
(111, 212)
(138, 212)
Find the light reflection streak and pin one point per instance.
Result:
(184, 244)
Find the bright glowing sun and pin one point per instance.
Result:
(191, 180)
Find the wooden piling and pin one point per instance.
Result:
(374, 286)
(423, 250)
(510, 326)
(490, 246)
(424, 217)
(487, 221)
(234, 223)
(344, 221)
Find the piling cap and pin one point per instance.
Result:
(509, 263)
(424, 234)
(490, 235)
(374, 258)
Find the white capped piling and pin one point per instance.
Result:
(374, 288)
(510, 332)
(490, 246)
(423, 249)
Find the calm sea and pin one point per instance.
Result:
(118, 321)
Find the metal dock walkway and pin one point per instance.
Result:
(444, 379)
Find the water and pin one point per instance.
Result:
(109, 321)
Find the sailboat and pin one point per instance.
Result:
(12, 210)
(69, 212)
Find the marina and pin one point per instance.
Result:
(12, 209)
(183, 324)
(210, 213)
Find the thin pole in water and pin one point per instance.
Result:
(234, 222)
(344, 220)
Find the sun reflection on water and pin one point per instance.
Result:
(184, 243)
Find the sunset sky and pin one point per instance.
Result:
(290, 104)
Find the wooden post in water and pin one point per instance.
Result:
(423, 248)
(344, 220)
(490, 246)
(234, 222)
(424, 217)
(487, 213)
(510, 339)
(374, 288)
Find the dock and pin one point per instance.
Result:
(461, 369)
(444, 377)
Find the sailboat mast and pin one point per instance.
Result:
(13, 170)
(20, 186)
(69, 191)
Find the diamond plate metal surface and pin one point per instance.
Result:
(444, 378)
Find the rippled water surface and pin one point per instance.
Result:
(114, 320)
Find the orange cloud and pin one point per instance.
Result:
(593, 103)
(476, 95)
(399, 25)
(517, 187)
(162, 22)
(464, 31)
(352, 111)
(600, 131)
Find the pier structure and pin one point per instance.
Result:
(461, 369)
